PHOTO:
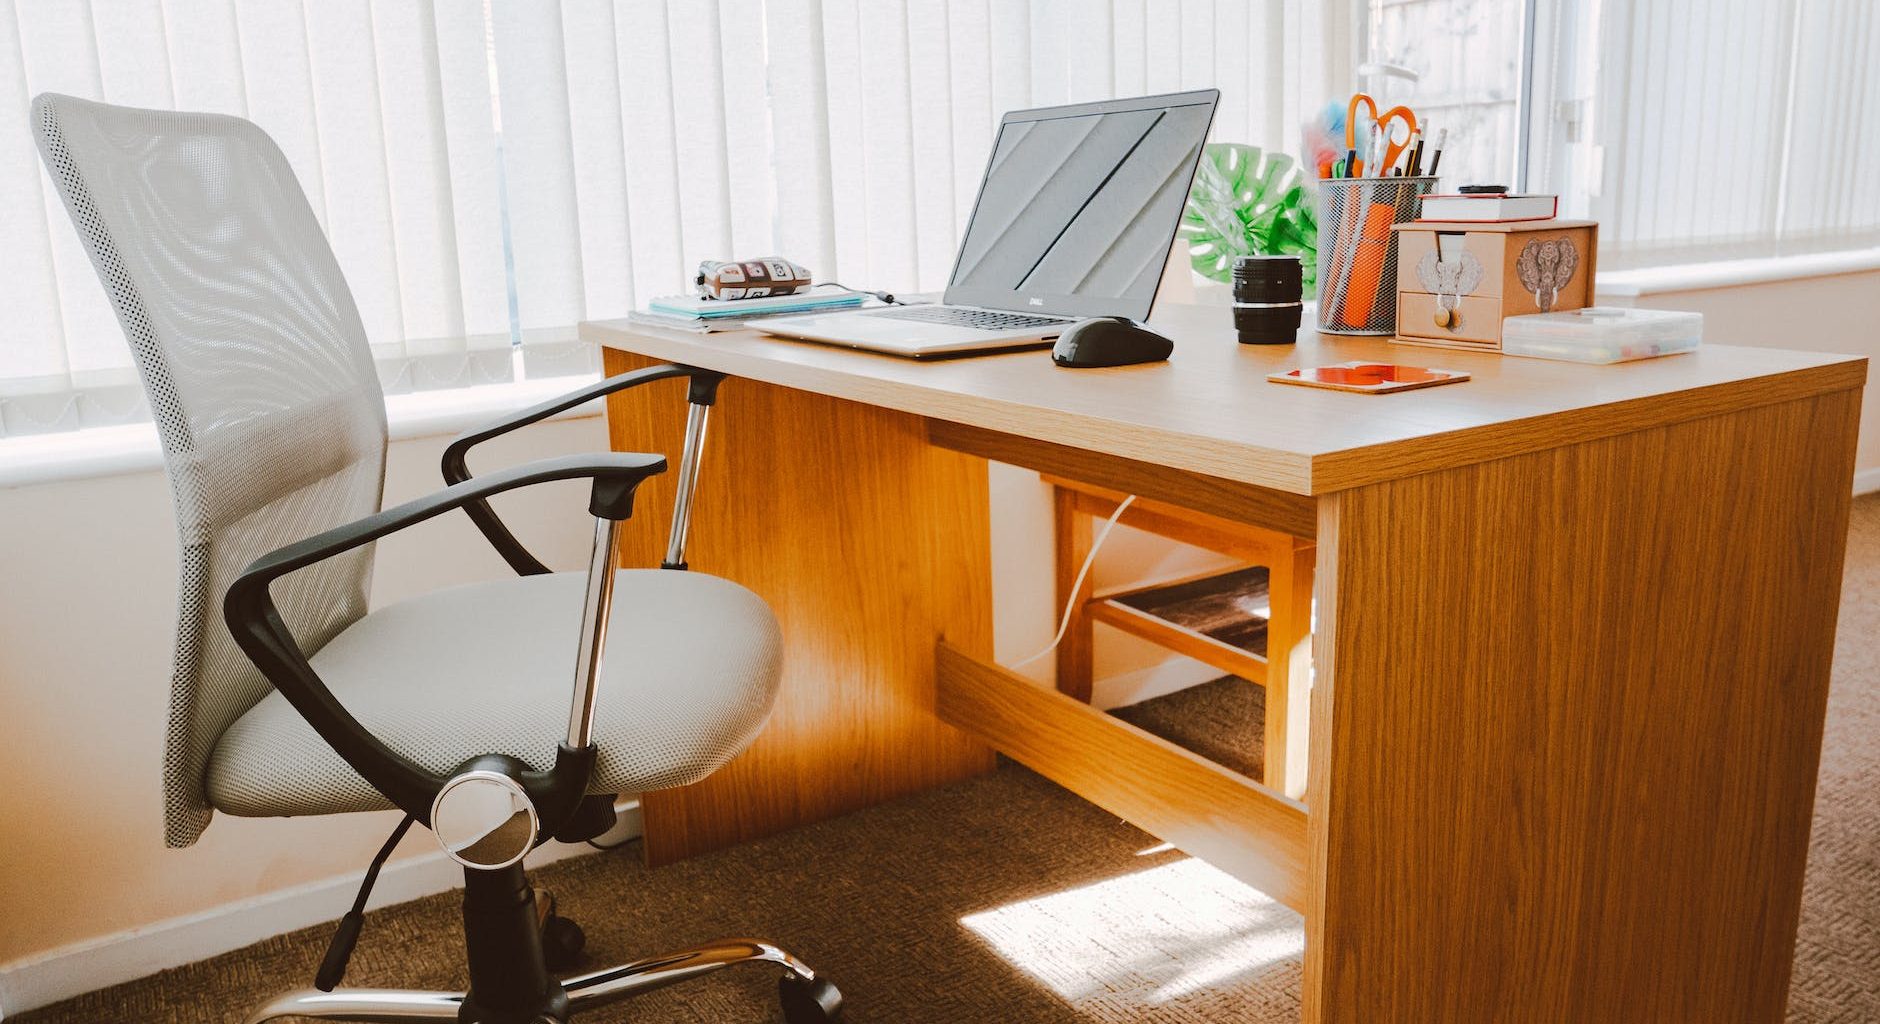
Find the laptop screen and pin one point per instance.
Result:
(1079, 206)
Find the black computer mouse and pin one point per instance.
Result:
(1109, 341)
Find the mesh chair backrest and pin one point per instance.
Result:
(258, 373)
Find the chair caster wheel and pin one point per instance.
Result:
(562, 943)
(809, 1002)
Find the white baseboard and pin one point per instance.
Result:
(92, 964)
(1867, 481)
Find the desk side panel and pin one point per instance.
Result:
(1568, 721)
(870, 545)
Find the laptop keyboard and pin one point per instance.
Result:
(977, 319)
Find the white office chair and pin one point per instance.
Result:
(452, 706)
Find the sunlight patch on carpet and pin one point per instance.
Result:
(1175, 932)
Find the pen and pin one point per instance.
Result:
(1436, 152)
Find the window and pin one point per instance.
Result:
(1691, 131)
(385, 113)
(1458, 64)
(490, 172)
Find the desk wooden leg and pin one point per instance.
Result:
(870, 545)
(1567, 724)
(1288, 669)
(1076, 655)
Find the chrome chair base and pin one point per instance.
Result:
(807, 999)
(361, 1004)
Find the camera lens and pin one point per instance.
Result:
(1267, 291)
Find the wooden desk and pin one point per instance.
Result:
(1574, 630)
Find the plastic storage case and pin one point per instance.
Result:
(1602, 334)
(1457, 280)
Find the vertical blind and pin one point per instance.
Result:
(849, 135)
(1691, 131)
(1736, 124)
(384, 111)
(493, 171)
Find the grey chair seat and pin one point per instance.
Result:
(487, 668)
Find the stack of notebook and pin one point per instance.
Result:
(691, 313)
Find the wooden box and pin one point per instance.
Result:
(1457, 280)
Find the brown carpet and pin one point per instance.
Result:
(1222, 721)
(1005, 899)
(915, 908)
(1837, 955)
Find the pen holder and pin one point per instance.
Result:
(1358, 251)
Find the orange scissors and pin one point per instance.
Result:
(1392, 148)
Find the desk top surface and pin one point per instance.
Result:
(1211, 410)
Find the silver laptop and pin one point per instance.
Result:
(1074, 220)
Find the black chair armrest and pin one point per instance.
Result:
(456, 470)
(257, 625)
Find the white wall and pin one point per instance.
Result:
(1835, 313)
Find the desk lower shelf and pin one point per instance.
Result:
(1214, 813)
(1219, 619)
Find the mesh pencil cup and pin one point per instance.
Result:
(1358, 255)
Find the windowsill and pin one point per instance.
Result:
(1685, 277)
(108, 451)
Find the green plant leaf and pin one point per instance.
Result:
(1246, 203)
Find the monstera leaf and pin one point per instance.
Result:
(1247, 203)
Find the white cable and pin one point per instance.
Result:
(1096, 545)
